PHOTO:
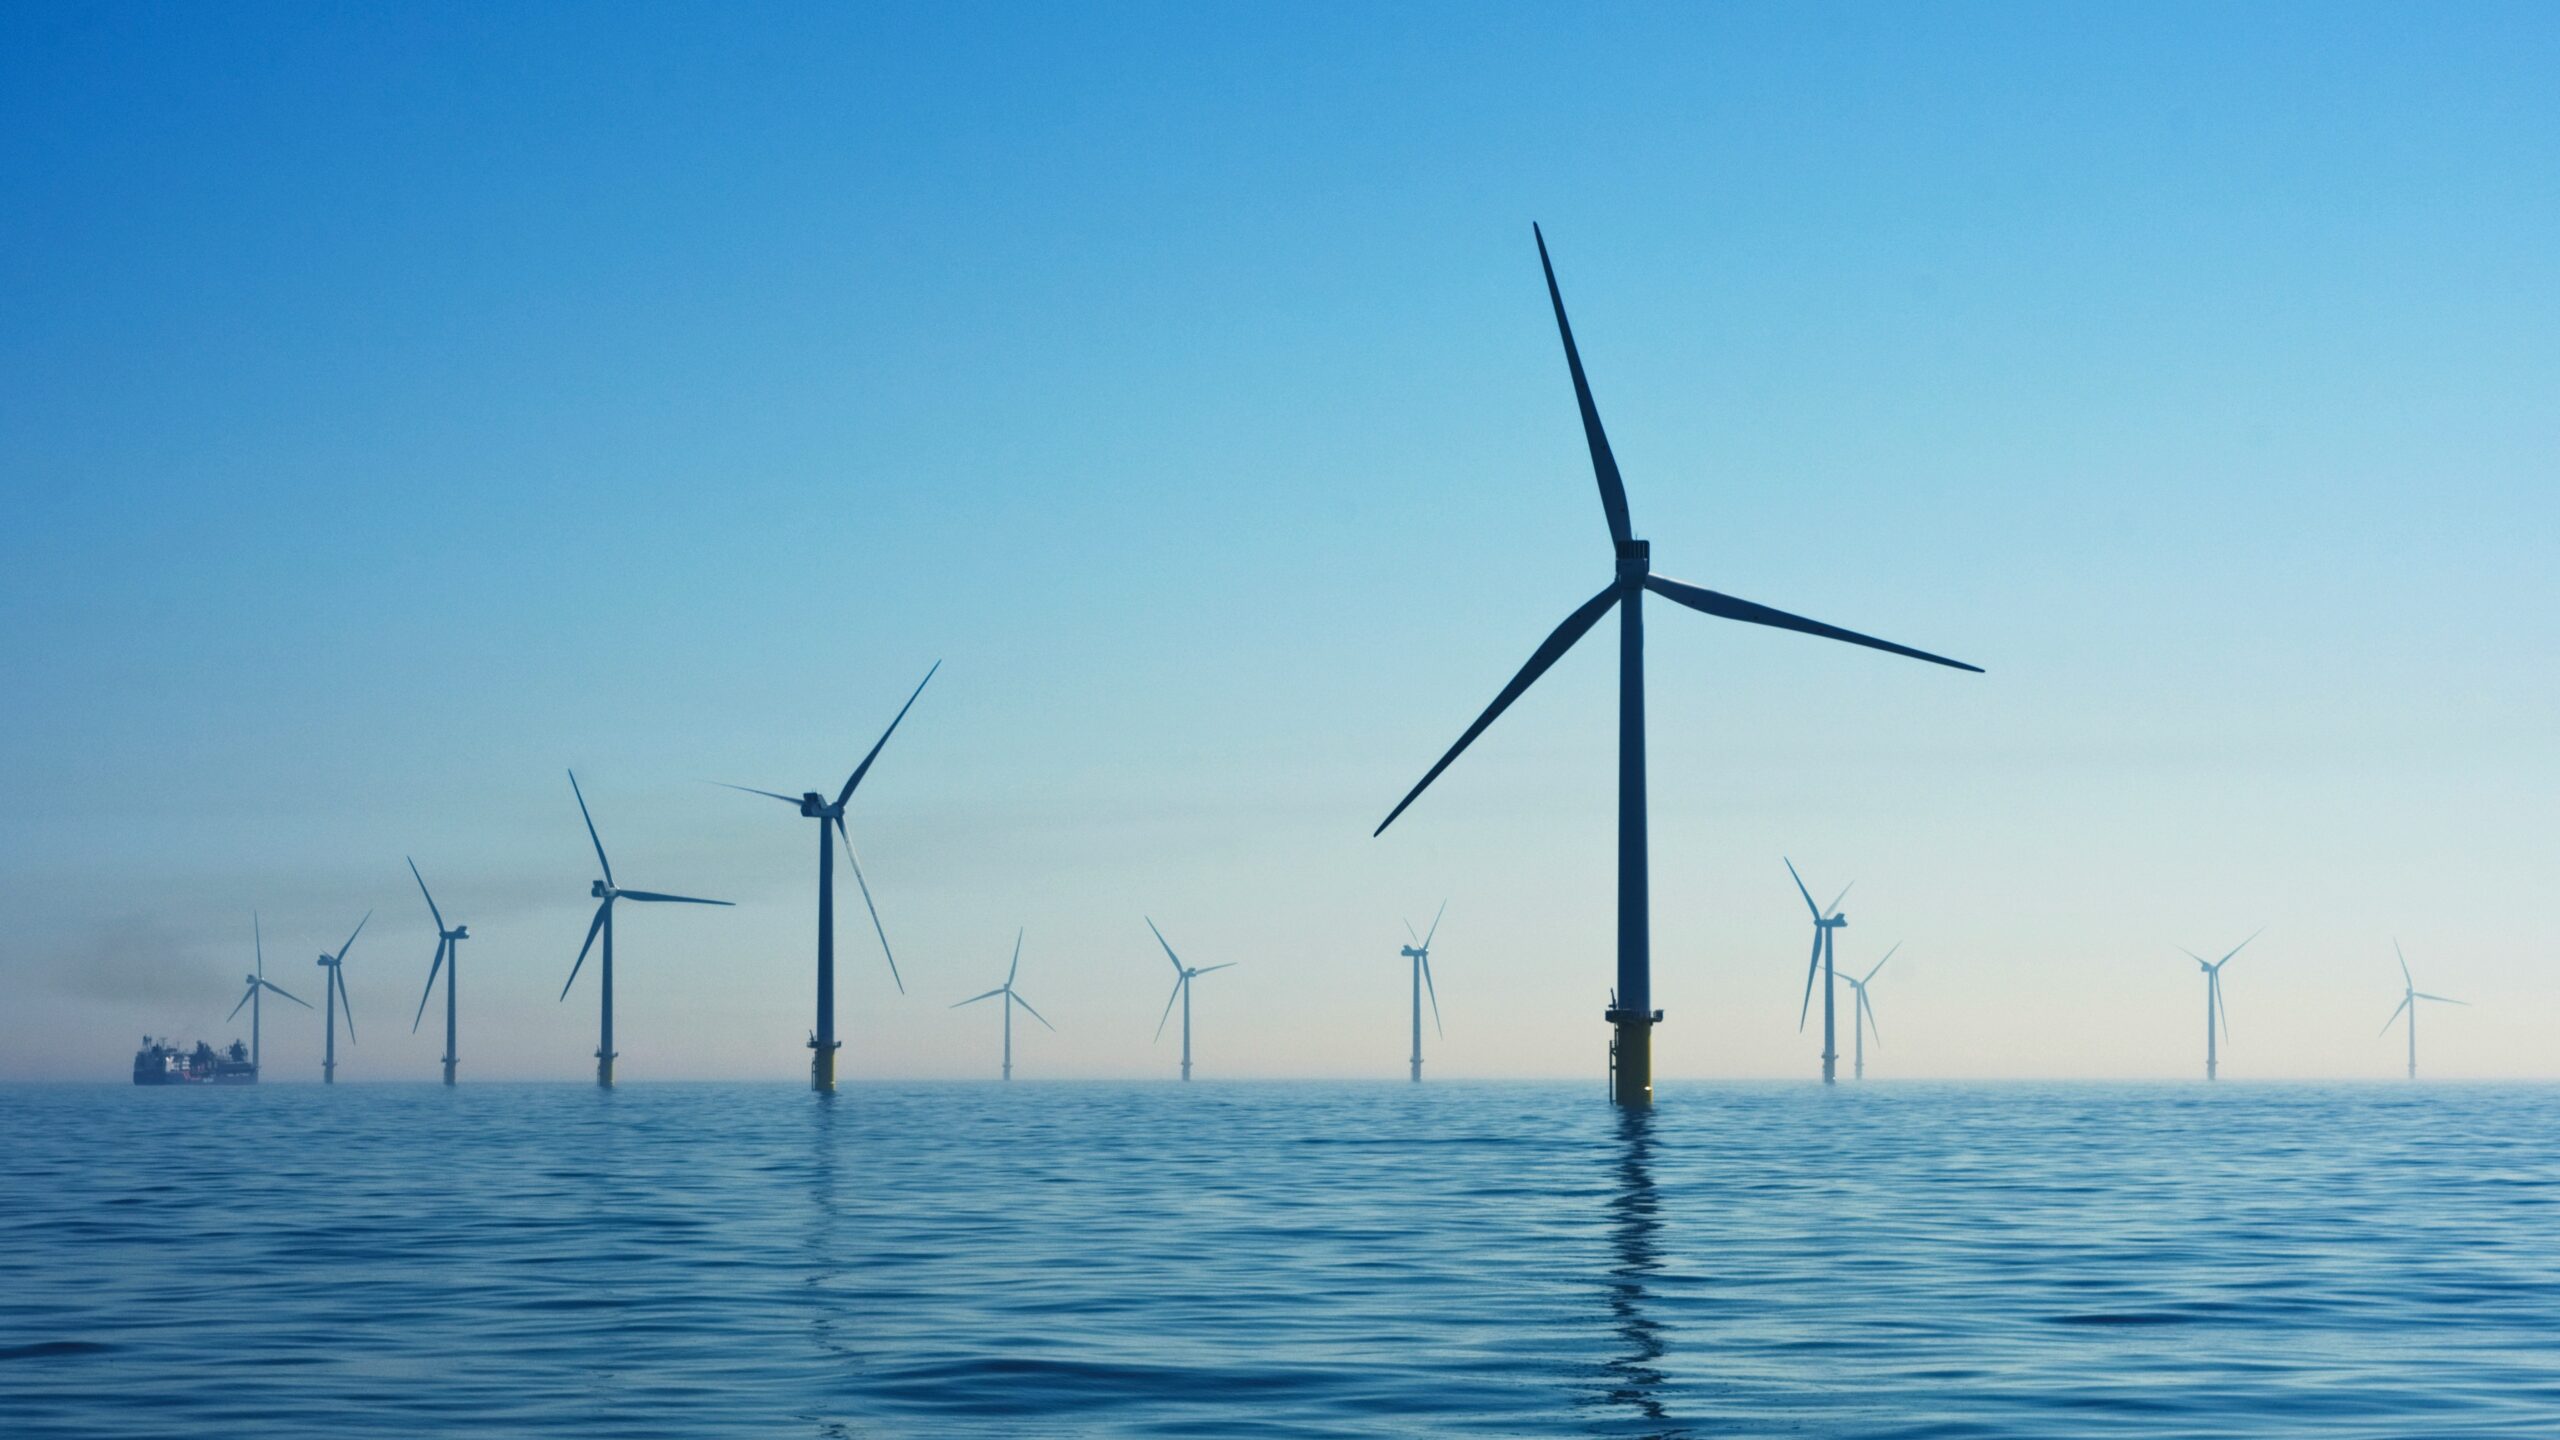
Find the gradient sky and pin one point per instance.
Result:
(406, 403)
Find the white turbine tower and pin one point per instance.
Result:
(2213, 1007)
(1419, 952)
(2409, 999)
(1183, 975)
(1010, 1000)
(1861, 1013)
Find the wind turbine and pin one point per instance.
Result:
(605, 893)
(448, 947)
(830, 818)
(1010, 1000)
(1862, 1012)
(1419, 952)
(1824, 926)
(1183, 975)
(2213, 1006)
(335, 988)
(2409, 1001)
(258, 981)
(1631, 1008)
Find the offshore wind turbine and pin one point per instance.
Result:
(258, 981)
(605, 893)
(2213, 1006)
(1183, 975)
(334, 989)
(1825, 926)
(448, 949)
(1631, 1011)
(2409, 1001)
(813, 806)
(1419, 952)
(1011, 999)
(1862, 1012)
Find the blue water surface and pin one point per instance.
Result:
(1453, 1259)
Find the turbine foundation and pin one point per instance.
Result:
(1631, 1058)
(822, 1065)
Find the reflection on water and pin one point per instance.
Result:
(696, 1262)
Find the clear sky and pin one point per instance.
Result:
(404, 403)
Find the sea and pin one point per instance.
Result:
(1281, 1259)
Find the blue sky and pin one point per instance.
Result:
(406, 403)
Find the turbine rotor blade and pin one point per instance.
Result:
(592, 927)
(258, 937)
(1168, 946)
(244, 1000)
(431, 985)
(1434, 992)
(1604, 465)
(1209, 969)
(2405, 977)
(346, 1006)
(2221, 1006)
(751, 790)
(289, 995)
(422, 889)
(1843, 895)
(1036, 1015)
(1807, 894)
(1810, 966)
(1867, 1008)
(1017, 960)
(1727, 607)
(655, 897)
(860, 770)
(351, 937)
(854, 859)
(1548, 652)
(1168, 1004)
(2243, 945)
(2395, 1015)
(2447, 999)
(1871, 974)
(592, 837)
(1435, 925)
(1412, 934)
(974, 999)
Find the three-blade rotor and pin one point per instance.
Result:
(1633, 560)
(607, 892)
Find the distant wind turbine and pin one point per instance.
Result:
(449, 960)
(1419, 952)
(2409, 1001)
(830, 818)
(1826, 921)
(2213, 1006)
(1863, 1013)
(1011, 999)
(258, 981)
(605, 893)
(335, 993)
(1631, 1009)
(1183, 975)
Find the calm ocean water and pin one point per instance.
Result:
(1280, 1260)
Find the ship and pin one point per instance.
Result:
(164, 1062)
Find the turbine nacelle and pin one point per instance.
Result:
(1635, 561)
(600, 890)
(1411, 953)
(814, 806)
(458, 932)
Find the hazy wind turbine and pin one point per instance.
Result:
(1631, 1008)
(1010, 1000)
(335, 993)
(448, 951)
(1824, 926)
(1183, 975)
(830, 818)
(1419, 952)
(2213, 1006)
(2409, 1001)
(258, 981)
(1860, 1011)
(606, 892)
